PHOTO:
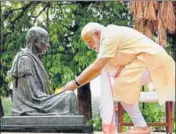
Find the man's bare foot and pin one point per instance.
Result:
(138, 130)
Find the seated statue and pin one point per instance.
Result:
(31, 90)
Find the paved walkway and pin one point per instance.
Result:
(70, 133)
(150, 133)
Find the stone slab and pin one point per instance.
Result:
(65, 124)
(75, 133)
(43, 120)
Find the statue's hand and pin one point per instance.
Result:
(60, 90)
(70, 86)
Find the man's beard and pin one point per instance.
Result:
(44, 51)
(97, 43)
(38, 51)
(98, 46)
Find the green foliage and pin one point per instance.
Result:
(174, 124)
(154, 113)
(96, 123)
(7, 106)
(169, 49)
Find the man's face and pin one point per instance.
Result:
(43, 46)
(93, 42)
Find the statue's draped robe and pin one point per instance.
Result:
(31, 91)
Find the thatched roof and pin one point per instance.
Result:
(154, 17)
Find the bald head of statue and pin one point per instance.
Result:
(37, 40)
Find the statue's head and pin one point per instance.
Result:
(37, 39)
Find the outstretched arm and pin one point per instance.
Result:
(88, 74)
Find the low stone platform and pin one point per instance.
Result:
(76, 133)
(73, 124)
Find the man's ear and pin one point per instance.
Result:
(35, 40)
(97, 34)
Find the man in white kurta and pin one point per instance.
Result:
(127, 54)
(135, 52)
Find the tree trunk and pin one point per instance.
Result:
(1, 108)
(84, 101)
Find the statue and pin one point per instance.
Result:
(31, 92)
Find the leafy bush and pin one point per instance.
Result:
(96, 123)
(7, 106)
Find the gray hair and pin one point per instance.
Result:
(91, 28)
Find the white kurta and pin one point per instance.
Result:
(136, 52)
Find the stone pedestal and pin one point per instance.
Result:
(65, 124)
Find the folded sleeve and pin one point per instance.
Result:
(110, 42)
(24, 66)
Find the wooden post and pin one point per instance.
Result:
(120, 117)
(84, 101)
(169, 118)
(1, 109)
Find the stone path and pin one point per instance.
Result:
(71, 133)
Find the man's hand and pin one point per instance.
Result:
(70, 86)
(119, 71)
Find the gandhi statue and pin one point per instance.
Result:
(31, 90)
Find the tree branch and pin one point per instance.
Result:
(40, 13)
(61, 11)
(15, 20)
(47, 17)
(25, 8)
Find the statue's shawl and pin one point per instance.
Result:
(31, 94)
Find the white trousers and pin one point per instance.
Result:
(133, 110)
